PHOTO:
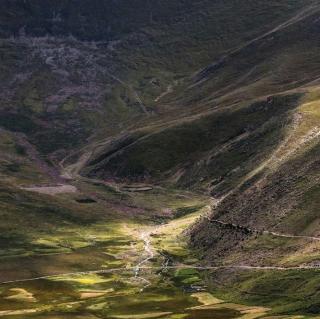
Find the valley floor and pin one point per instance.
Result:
(120, 268)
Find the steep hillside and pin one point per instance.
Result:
(254, 88)
(72, 83)
(279, 195)
(202, 149)
(271, 219)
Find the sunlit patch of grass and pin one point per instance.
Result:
(113, 264)
(309, 111)
(179, 316)
(20, 295)
(88, 294)
(305, 252)
(149, 315)
(187, 276)
(170, 238)
(98, 306)
(86, 280)
(206, 298)
(44, 309)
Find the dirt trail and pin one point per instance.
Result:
(180, 266)
(72, 171)
(168, 91)
(135, 93)
(52, 190)
(251, 230)
(292, 236)
(301, 15)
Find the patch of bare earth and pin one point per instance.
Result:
(52, 190)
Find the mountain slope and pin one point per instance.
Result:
(265, 70)
(71, 89)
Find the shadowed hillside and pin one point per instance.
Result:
(63, 81)
(250, 88)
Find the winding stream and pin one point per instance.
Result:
(148, 250)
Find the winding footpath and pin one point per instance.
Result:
(52, 190)
(180, 266)
(251, 230)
